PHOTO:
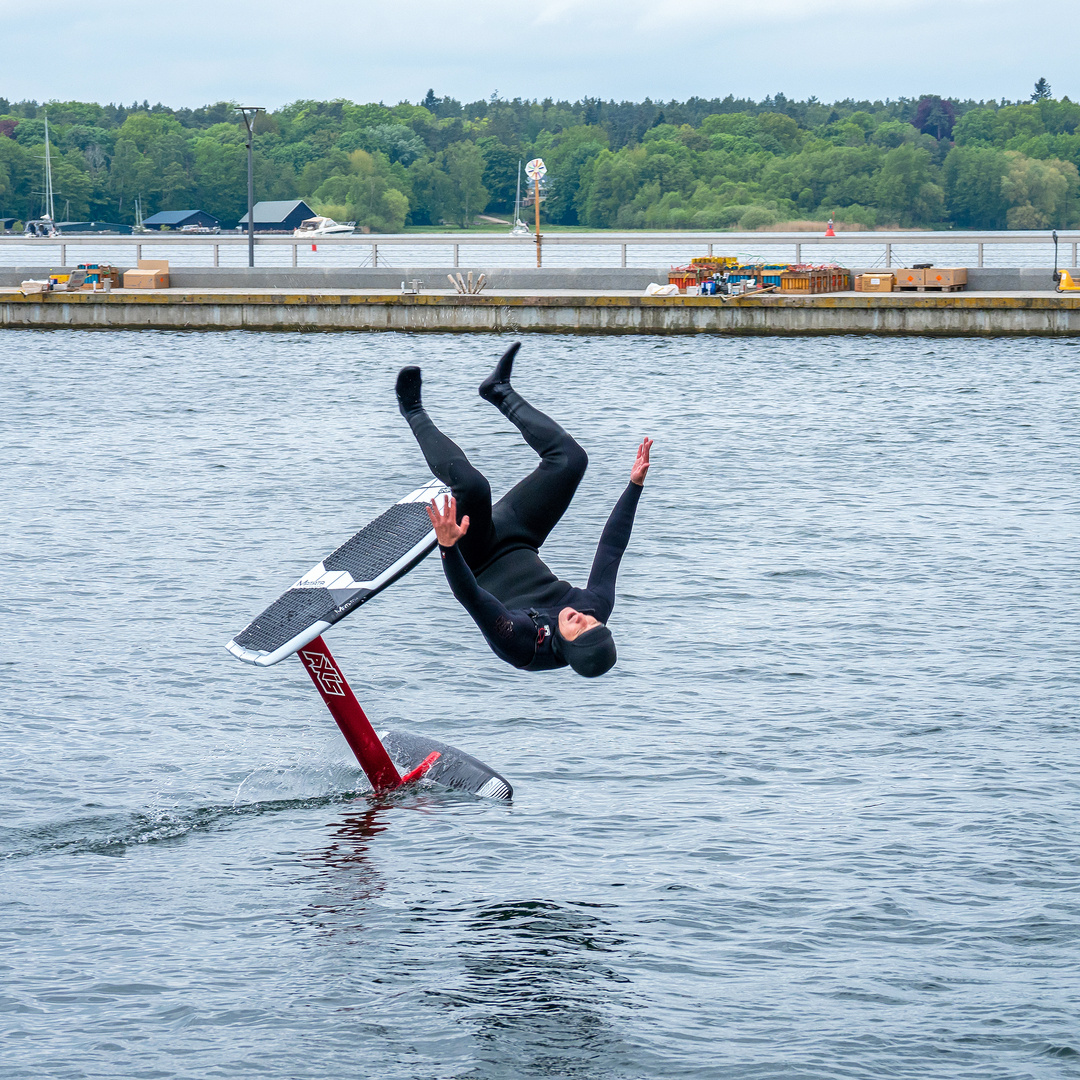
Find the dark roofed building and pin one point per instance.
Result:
(177, 219)
(278, 216)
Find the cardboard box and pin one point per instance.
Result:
(940, 277)
(910, 279)
(158, 266)
(146, 279)
(876, 282)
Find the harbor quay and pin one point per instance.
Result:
(589, 283)
(977, 313)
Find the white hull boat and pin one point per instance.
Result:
(313, 228)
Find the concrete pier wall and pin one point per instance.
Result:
(389, 280)
(959, 314)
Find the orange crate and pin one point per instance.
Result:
(686, 277)
(816, 280)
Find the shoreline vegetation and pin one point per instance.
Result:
(699, 165)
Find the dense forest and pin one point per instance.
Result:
(698, 164)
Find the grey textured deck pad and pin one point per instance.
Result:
(380, 553)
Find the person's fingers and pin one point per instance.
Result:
(464, 525)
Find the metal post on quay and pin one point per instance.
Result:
(535, 171)
(249, 122)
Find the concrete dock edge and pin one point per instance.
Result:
(929, 314)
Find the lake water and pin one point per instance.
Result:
(820, 821)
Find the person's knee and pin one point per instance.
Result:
(470, 486)
(577, 461)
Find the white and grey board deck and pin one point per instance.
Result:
(380, 553)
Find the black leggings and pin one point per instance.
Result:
(528, 511)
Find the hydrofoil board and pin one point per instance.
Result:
(380, 553)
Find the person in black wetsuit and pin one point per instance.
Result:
(490, 554)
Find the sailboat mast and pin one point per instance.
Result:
(50, 213)
(517, 203)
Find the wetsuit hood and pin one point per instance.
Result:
(590, 654)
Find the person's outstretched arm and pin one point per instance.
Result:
(616, 536)
(512, 640)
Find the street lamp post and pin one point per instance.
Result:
(249, 120)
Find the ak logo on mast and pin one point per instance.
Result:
(324, 672)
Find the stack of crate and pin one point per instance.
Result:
(98, 273)
(815, 279)
(714, 264)
(761, 274)
(686, 277)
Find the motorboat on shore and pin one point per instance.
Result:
(323, 226)
(41, 227)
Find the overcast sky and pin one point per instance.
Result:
(269, 53)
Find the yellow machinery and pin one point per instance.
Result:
(1065, 281)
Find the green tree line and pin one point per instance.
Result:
(697, 164)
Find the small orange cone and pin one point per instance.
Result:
(829, 230)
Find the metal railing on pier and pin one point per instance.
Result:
(586, 250)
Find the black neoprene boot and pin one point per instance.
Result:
(407, 389)
(496, 387)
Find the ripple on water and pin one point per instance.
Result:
(819, 822)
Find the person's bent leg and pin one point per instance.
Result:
(533, 507)
(448, 462)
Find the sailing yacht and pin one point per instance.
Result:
(46, 224)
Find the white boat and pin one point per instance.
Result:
(324, 226)
(42, 226)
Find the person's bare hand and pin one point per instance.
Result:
(641, 462)
(445, 522)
